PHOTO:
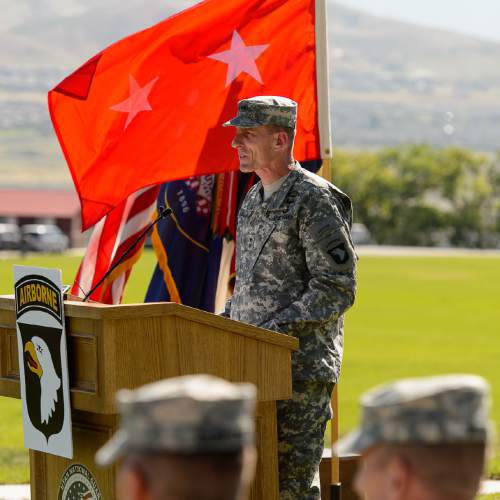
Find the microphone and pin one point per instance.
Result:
(164, 212)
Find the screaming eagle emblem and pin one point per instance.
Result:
(43, 361)
(43, 379)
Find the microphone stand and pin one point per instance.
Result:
(164, 212)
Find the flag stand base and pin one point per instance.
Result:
(336, 491)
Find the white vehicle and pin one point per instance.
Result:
(10, 237)
(360, 234)
(44, 238)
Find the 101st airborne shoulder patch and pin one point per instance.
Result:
(334, 242)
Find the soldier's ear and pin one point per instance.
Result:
(398, 477)
(281, 140)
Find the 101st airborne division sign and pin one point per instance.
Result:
(43, 364)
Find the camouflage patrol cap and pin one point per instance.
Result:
(432, 410)
(265, 110)
(185, 415)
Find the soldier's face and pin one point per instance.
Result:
(255, 147)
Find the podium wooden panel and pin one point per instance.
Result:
(125, 346)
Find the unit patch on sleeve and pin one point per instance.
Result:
(335, 243)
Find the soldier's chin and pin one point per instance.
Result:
(246, 167)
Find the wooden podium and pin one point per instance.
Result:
(125, 346)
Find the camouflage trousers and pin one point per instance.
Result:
(301, 427)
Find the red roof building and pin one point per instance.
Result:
(31, 206)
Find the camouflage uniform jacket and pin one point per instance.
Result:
(295, 269)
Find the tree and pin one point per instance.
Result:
(420, 195)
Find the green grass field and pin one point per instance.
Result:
(412, 317)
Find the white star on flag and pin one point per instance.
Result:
(137, 100)
(240, 58)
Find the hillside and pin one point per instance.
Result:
(391, 82)
(394, 82)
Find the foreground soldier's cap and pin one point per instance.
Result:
(185, 415)
(432, 410)
(265, 110)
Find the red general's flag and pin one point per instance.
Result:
(150, 108)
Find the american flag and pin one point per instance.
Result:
(110, 238)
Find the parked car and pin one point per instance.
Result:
(360, 234)
(44, 238)
(10, 236)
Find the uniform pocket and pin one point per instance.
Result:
(261, 239)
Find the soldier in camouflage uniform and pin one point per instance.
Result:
(184, 438)
(295, 274)
(422, 439)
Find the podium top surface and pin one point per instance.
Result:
(98, 311)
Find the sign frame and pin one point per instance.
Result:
(43, 360)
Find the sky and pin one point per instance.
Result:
(474, 17)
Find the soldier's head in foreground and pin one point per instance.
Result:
(185, 438)
(422, 439)
(265, 131)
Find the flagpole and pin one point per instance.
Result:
(322, 86)
(335, 484)
(325, 138)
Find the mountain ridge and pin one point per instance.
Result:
(391, 81)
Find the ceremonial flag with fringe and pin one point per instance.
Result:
(187, 251)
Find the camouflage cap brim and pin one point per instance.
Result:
(242, 122)
(265, 110)
(113, 449)
(353, 443)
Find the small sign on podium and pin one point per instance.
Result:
(43, 361)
